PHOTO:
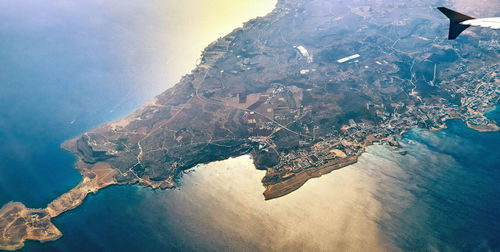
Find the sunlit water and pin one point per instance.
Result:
(441, 195)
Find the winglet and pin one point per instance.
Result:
(455, 19)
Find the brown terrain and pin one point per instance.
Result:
(275, 89)
(18, 223)
(288, 102)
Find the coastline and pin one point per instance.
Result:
(487, 128)
(101, 175)
(296, 181)
(19, 223)
(339, 208)
(282, 187)
(94, 178)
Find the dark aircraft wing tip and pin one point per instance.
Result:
(455, 18)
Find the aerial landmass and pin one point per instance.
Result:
(18, 223)
(303, 90)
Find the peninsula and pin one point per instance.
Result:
(280, 90)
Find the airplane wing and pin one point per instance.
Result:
(493, 23)
(459, 22)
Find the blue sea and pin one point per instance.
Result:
(60, 76)
(445, 195)
(441, 196)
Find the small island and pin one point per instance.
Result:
(18, 223)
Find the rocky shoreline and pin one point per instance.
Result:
(18, 223)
